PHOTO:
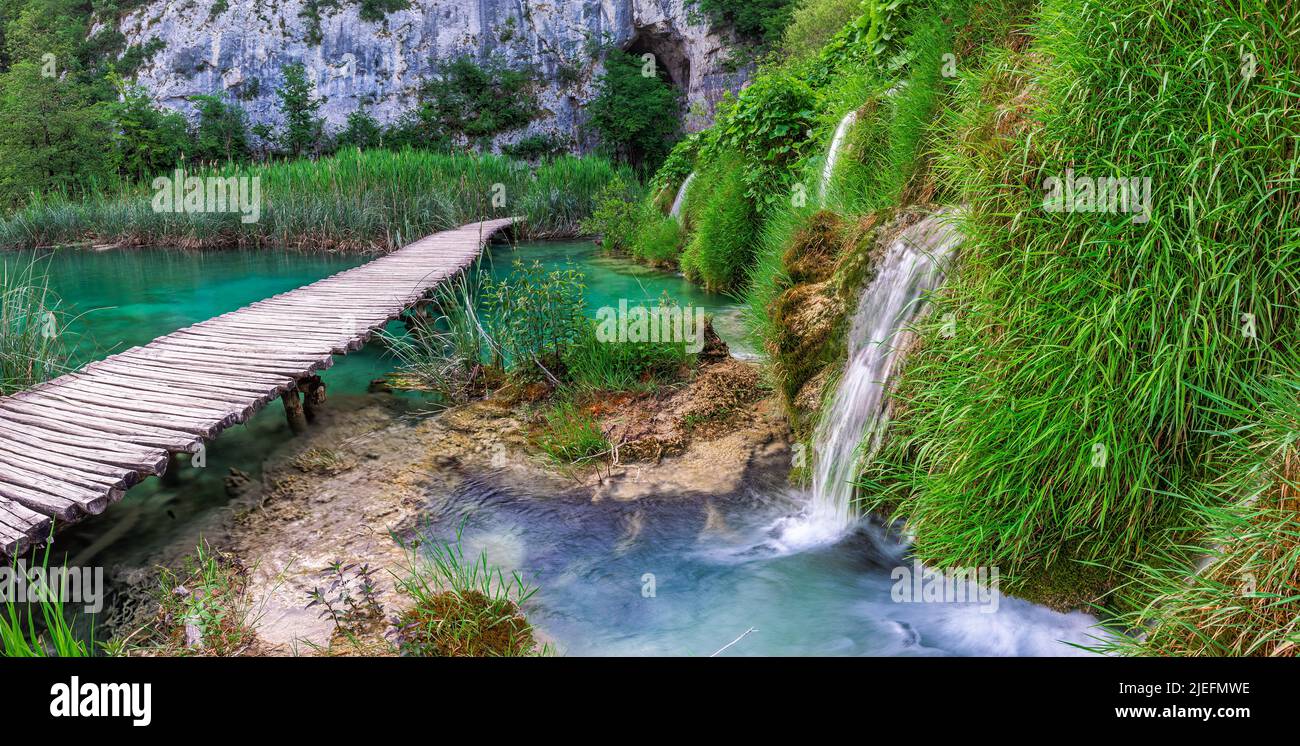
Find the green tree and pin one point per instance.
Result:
(635, 110)
(761, 21)
(146, 140)
(476, 101)
(52, 135)
(221, 133)
(304, 130)
(361, 131)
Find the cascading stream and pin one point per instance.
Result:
(676, 210)
(851, 429)
(833, 155)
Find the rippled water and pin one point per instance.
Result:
(717, 567)
(671, 576)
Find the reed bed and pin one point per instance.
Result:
(354, 200)
(31, 340)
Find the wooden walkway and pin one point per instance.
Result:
(71, 446)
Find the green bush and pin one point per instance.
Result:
(476, 101)
(636, 115)
(767, 126)
(815, 22)
(616, 216)
(658, 241)
(677, 166)
(537, 147)
(719, 252)
(361, 131)
(758, 20)
(535, 316)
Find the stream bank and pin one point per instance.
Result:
(369, 474)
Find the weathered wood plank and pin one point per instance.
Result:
(71, 446)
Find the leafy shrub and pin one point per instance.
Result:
(815, 22)
(757, 20)
(361, 131)
(768, 126)
(377, 10)
(635, 114)
(535, 316)
(476, 100)
(678, 165)
(616, 217)
(537, 147)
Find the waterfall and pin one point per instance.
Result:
(913, 266)
(833, 155)
(676, 210)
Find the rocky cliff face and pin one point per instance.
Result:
(241, 46)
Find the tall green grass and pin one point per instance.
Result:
(447, 353)
(1069, 414)
(40, 628)
(353, 200)
(1235, 588)
(721, 249)
(462, 606)
(31, 341)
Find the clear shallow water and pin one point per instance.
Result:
(718, 570)
(118, 299)
(719, 567)
(612, 278)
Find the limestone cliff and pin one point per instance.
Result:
(242, 46)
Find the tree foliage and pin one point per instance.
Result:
(476, 101)
(635, 113)
(221, 132)
(300, 106)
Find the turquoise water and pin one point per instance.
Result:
(659, 576)
(118, 299)
(610, 279)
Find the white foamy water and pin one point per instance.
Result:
(676, 210)
(912, 267)
(833, 155)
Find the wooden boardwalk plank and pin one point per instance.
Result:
(71, 446)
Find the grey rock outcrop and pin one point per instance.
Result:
(240, 47)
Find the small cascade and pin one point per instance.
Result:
(833, 155)
(676, 210)
(912, 267)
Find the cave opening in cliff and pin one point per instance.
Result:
(669, 52)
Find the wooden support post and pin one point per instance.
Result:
(313, 396)
(172, 475)
(293, 411)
